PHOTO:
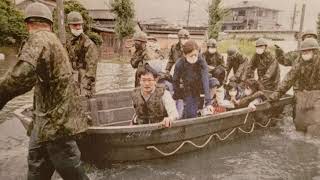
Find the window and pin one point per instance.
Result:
(242, 12)
(260, 13)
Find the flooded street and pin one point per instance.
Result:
(276, 153)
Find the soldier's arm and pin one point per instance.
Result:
(91, 57)
(229, 66)
(23, 76)
(136, 59)
(171, 59)
(289, 80)
(251, 67)
(221, 61)
(286, 59)
(18, 81)
(273, 68)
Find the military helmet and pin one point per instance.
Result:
(140, 36)
(211, 43)
(309, 33)
(232, 51)
(261, 42)
(74, 18)
(183, 33)
(38, 10)
(309, 44)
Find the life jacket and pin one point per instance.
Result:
(151, 110)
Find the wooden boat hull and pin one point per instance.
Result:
(118, 143)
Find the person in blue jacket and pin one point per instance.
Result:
(191, 79)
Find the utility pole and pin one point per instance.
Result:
(303, 12)
(294, 16)
(61, 26)
(189, 11)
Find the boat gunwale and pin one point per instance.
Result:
(156, 126)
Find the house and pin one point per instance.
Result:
(251, 15)
(166, 33)
(22, 4)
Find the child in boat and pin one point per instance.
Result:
(192, 69)
(215, 90)
(234, 92)
(253, 95)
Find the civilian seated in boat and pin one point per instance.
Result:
(233, 93)
(253, 95)
(214, 85)
(151, 101)
(192, 69)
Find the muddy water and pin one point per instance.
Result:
(276, 153)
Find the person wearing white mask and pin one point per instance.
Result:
(83, 55)
(306, 75)
(192, 71)
(176, 51)
(251, 96)
(212, 56)
(266, 65)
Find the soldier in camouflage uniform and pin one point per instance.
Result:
(238, 63)
(44, 64)
(305, 73)
(212, 56)
(290, 58)
(141, 54)
(83, 55)
(176, 51)
(266, 64)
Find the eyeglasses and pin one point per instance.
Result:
(147, 80)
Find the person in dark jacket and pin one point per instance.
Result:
(192, 70)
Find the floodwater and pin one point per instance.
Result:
(276, 153)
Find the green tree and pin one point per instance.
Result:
(12, 26)
(73, 5)
(124, 11)
(318, 27)
(216, 14)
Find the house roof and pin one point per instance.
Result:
(251, 4)
(96, 4)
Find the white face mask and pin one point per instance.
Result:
(192, 60)
(183, 41)
(307, 56)
(212, 50)
(76, 33)
(259, 50)
(232, 93)
(247, 92)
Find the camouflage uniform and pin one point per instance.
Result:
(306, 77)
(176, 52)
(214, 60)
(44, 64)
(138, 61)
(287, 59)
(239, 64)
(84, 57)
(152, 110)
(268, 70)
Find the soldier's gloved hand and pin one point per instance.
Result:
(88, 93)
(274, 97)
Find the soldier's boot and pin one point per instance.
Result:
(65, 156)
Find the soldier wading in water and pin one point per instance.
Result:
(306, 75)
(43, 63)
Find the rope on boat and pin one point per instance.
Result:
(210, 138)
